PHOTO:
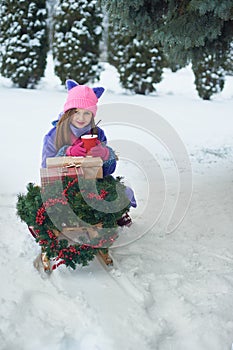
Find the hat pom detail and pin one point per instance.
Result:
(98, 91)
(70, 84)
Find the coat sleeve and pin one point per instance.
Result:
(109, 165)
(48, 149)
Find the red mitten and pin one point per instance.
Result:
(77, 150)
(99, 151)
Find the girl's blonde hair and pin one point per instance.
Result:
(63, 132)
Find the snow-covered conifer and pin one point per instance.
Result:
(209, 75)
(229, 61)
(139, 62)
(77, 34)
(23, 41)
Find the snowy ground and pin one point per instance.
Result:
(166, 291)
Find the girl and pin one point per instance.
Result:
(77, 119)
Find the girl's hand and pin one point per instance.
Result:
(77, 150)
(99, 151)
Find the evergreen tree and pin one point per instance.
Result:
(229, 61)
(23, 41)
(139, 62)
(209, 75)
(181, 26)
(77, 33)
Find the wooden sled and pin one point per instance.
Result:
(42, 259)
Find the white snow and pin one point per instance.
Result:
(166, 291)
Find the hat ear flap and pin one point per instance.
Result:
(98, 91)
(70, 84)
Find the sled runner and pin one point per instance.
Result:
(105, 257)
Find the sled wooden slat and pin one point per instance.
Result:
(105, 258)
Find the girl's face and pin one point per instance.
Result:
(81, 118)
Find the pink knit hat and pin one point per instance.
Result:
(81, 96)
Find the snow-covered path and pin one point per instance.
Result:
(166, 291)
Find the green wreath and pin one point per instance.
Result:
(73, 204)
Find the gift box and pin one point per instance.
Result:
(84, 162)
(91, 167)
(50, 175)
(59, 167)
